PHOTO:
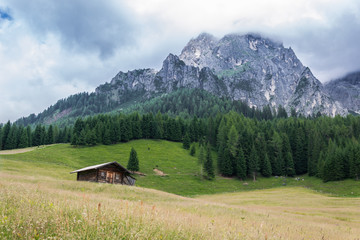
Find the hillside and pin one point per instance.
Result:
(182, 170)
(184, 102)
(40, 199)
(249, 68)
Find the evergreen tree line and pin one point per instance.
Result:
(13, 136)
(111, 129)
(325, 147)
(247, 147)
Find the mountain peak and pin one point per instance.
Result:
(251, 68)
(207, 37)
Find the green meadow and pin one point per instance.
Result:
(40, 199)
(182, 172)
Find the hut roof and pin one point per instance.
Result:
(101, 166)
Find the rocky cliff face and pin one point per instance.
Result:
(243, 67)
(346, 90)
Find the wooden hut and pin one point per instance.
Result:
(111, 172)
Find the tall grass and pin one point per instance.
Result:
(31, 208)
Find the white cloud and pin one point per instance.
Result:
(51, 49)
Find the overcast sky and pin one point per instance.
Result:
(50, 49)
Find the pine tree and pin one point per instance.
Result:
(91, 138)
(289, 165)
(23, 141)
(355, 162)
(106, 136)
(208, 164)
(240, 165)
(266, 169)
(253, 163)
(186, 141)
(315, 153)
(133, 164)
(36, 139)
(320, 165)
(232, 142)
(50, 135)
(28, 133)
(277, 164)
(1, 136)
(5, 133)
(192, 149)
(81, 141)
(201, 159)
(136, 126)
(78, 127)
(227, 168)
(11, 141)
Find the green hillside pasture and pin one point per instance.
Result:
(181, 170)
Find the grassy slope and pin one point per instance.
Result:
(40, 199)
(182, 169)
(38, 207)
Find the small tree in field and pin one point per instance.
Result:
(133, 164)
(192, 149)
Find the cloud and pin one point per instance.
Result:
(51, 49)
(83, 26)
(5, 15)
(331, 51)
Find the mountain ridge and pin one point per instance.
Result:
(249, 68)
(346, 91)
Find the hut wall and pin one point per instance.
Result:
(102, 176)
(87, 175)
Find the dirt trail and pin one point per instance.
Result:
(15, 151)
(159, 172)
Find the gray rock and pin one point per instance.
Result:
(346, 90)
(248, 67)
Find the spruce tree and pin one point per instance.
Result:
(253, 163)
(201, 159)
(277, 165)
(289, 165)
(266, 169)
(11, 141)
(355, 162)
(91, 138)
(186, 141)
(36, 139)
(1, 137)
(106, 136)
(82, 138)
(136, 126)
(5, 133)
(133, 164)
(208, 164)
(50, 135)
(227, 168)
(23, 141)
(28, 132)
(240, 165)
(232, 142)
(192, 149)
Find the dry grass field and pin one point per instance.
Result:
(46, 208)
